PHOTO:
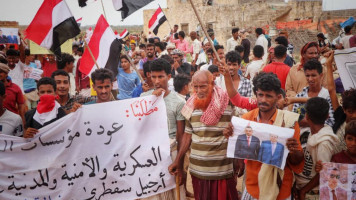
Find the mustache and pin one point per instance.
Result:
(263, 104)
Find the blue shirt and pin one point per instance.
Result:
(29, 83)
(137, 91)
(126, 83)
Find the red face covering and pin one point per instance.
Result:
(46, 104)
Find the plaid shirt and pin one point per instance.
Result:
(300, 107)
(76, 99)
(245, 88)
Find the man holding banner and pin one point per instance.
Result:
(207, 113)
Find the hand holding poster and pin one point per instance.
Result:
(338, 181)
(33, 73)
(261, 142)
(114, 150)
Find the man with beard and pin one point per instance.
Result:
(160, 75)
(243, 85)
(264, 180)
(207, 114)
(150, 56)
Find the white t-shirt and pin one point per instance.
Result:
(253, 68)
(11, 124)
(345, 41)
(16, 74)
(261, 40)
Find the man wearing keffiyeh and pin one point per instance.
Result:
(207, 114)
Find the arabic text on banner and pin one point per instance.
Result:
(114, 150)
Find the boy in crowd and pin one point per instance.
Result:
(126, 78)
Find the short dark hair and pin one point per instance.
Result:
(75, 46)
(280, 51)
(182, 34)
(282, 40)
(348, 29)
(266, 82)
(160, 45)
(240, 48)
(283, 93)
(60, 72)
(233, 56)
(217, 47)
(168, 58)
(80, 49)
(124, 57)
(12, 52)
(65, 59)
(151, 41)
(313, 64)
(161, 64)
(317, 109)
(146, 68)
(150, 45)
(47, 81)
(176, 25)
(259, 31)
(350, 128)
(349, 99)
(2, 89)
(27, 52)
(234, 30)
(258, 51)
(101, 75)
(213, 68)
(142, 46)
(210, 50)
(179, 81)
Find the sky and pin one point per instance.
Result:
(11, 11)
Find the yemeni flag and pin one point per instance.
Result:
(156, 20)
(105, 47)
(127, 7)
(52, 25)
(123, 34)
(47, 109)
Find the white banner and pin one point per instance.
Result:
(346, 64)
(257, 141)
(330, 5)
(115, 150)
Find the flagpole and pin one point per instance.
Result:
(102, 5)
(204, 30)
(166, 17)
(91, 54)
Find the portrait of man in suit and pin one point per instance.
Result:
(12, 39)
(247, 145)
(271, 151)
(332, 191)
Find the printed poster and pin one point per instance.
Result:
(261, 142)
(337, 181)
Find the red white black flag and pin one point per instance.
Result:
(105, 47)
(156, 20)
(52, 25)
(123, 34)
(127, 7)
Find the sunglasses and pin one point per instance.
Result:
(334, 176)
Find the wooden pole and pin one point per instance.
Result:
(91, 54)
(177, 188)
(166, 18)
(204, 30)
(102, 5)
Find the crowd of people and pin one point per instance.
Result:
(261, 82)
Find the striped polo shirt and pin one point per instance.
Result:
(208, 159)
